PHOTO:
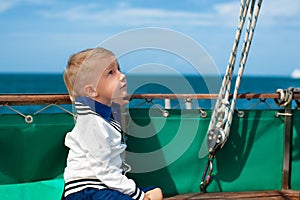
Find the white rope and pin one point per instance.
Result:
(223, 112)
(221, 119)
(229, 70)
(285, 96)
(245, 51)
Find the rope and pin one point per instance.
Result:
(222, 105)
(223, 112)
(285, 96)
(245, 51)
(28, 118)
(221, 119)
(56, 105)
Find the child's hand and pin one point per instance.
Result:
(155, 194)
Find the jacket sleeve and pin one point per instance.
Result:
(101, 154)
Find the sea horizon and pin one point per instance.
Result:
(153, 74)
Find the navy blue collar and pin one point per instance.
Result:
(103, 110)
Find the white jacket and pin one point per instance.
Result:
(95, 156)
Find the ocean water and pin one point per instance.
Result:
(184, 84)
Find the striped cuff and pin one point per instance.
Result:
(138, 194)
(81, 184)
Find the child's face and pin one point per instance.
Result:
(112, 83)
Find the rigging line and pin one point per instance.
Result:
(244, 54)
(232, 59)
(240, 27)
(229, 71)
(220, 123)
(252, 21)
(221, 108)
(220, 113)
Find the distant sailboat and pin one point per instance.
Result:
(296, 73)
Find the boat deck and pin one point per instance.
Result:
(253, 195)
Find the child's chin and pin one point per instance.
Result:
(122, 94)
(122, 100)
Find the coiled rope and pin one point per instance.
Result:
(219, 127)
(285, 96)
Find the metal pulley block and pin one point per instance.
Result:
(215, 139)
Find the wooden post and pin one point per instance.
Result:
(288, 134)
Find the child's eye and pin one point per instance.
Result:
(111, 72)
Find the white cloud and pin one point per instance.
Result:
(227, 9)
(124, 14)
(281, 12)
(219, 14)
(272, 13)
(10, 4)
(6, 5)
(129, 16)
(296, 73)
(282, 8)
(226, 13)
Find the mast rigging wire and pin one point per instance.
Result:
(219, 127)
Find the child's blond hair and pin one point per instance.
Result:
(80, 72)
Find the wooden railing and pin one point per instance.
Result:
(31, 99)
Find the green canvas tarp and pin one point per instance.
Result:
(162, 151)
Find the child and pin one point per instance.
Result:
(95, 166)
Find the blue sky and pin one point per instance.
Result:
(40, 35)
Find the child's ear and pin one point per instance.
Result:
(90, 91)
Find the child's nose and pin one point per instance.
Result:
(122, 77)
